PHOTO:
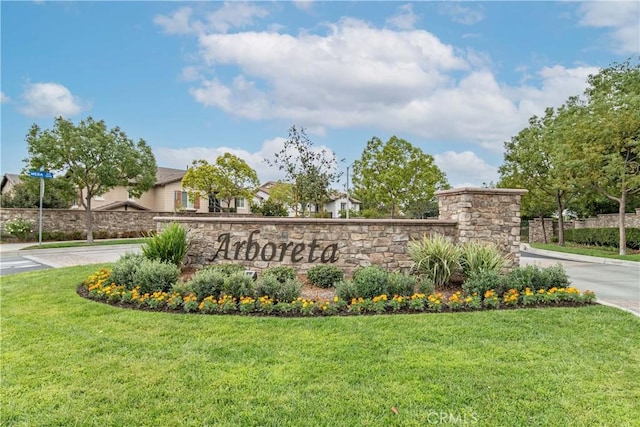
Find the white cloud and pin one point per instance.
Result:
(466, 169)
(622, 17)
(305, 5)
(461, 14)
(182, 157)
(356, 75)
(404, 19)
(229, 15)
(4, 98)
(50, 100)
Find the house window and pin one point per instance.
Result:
(129, 196)
(343, 206)
(99, 198)
(240, 202)
(182, 201)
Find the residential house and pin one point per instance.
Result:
(336, 204)
(167, 195)
(9, 180)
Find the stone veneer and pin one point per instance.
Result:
(485, 215)
(466, 214)
(358, 242)
(632, 220)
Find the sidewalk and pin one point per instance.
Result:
(68, 257)
(525, 247)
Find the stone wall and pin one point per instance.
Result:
(632, 220)
(70, 223)
(487, 215)
(260, 243)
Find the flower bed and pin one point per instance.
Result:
(98, 287)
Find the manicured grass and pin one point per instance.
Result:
(54, 245)
(589, 251)
(71, 361)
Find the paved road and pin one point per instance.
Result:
(16, 264)
(618, 285)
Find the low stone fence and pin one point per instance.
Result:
(260, 243)
(69, 224)
(545, 230)
(468, 214)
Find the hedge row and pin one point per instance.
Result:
(603, 237)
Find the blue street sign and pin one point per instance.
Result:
(41, 174)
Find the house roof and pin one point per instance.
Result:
(9, 178)
(126, 204)
(344, 196)
(166, 176)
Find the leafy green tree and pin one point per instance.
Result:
(310, 171)
(93, 158)
(269, 208)
(395, 176)
(59, 194)
(532, 160)
(229, 178)
(603, 136)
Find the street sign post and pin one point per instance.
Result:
(42, 175)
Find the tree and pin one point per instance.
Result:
(269, 208)
(309, 170)
(532, 160)
(59, 194)
(396, 176)
(229, 178)
(93, 158)
(603, 149)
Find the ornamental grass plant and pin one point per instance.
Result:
(481, 257)
(436, 258)
(171, 245)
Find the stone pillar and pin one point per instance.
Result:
(485, 215)
(541, 230)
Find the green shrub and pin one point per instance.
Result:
(227, 269)
(124, 269)
(281, 273)
(183, 288)
(609, 237)
(435, 258)
(476, 257)
(207, 282)
(153, 276)
(555, 276)
(371, 281)
(288, 291)
(401, 284)
(536, 278)
(426, 286)
(521, 278)
(19, 227)
(171, 245)
(346, 290)
(238, 285)
(267, 286)
(481, 282)
(324, 275)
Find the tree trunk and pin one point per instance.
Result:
(621, 223)
(560, 219)
(89, 219)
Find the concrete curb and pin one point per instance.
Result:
(608, 304)
(574, 257)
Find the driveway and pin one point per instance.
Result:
(614, 284)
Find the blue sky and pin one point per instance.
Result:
(197, 79)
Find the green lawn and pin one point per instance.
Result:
(70, 361)
(602, 252)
